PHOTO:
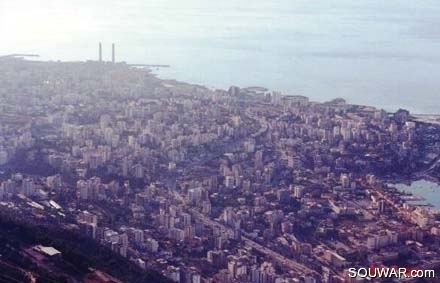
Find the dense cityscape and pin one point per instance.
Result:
(201, 185)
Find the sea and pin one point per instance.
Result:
(372, 52)
(428, 190)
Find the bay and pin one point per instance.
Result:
(430, 191)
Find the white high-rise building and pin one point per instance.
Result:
(3, 157)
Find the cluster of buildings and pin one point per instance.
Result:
(216, 186)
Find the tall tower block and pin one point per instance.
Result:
(100, 52)
(113, 53)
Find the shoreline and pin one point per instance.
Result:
(159, 75)
(117, 136)
(415, 198)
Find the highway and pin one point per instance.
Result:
(434, 164)
(295, 266)
(262, 121)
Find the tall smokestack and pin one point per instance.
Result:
(113, 53)
(100, 52)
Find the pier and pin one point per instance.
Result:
(149, 65)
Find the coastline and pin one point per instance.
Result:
(433, 119)
(164, 71)
(118, 134)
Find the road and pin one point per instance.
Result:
(262, 121)
(295, 266)
(434, 164)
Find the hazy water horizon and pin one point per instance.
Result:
(380, 53)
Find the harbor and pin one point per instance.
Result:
(423, 193)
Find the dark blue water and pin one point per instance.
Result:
(382, 53)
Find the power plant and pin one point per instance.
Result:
(100, 53)
(113, 53)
